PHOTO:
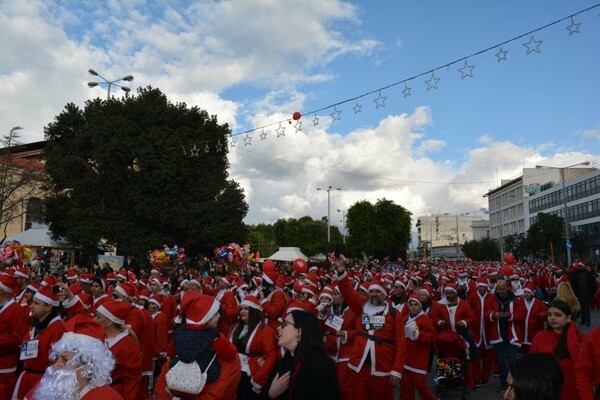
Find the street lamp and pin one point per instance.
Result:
(343, 225)
(126, 89)
(328, 190)
(564, 201)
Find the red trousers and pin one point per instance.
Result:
(411, 381)
(481, 368)
(7, 385)
(344, 378)
(369, 387)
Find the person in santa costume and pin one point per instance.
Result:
(480, 302)
(339, 322)
(123, 344)
(161, 333)
(47, 329)
(230, 308)
(535, 316)
(21, 276)
(506, 317)
(82, 365)
(378, 354)
(587, 368)
(562, 339)
(271, 298)
(256, 346)
(199, 345)
(13, 327)
(420, 335)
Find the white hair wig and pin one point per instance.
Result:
(90, 353)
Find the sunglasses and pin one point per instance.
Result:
(285, 323)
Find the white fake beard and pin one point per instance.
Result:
(58, 384)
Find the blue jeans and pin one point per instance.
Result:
(506, 353)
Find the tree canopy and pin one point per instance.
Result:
(377, 229)
(481, 250)
(546, 233)
(121, 170)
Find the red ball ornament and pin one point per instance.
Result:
(300, 266)
(268, 266)
(506, 270)
(509, 258)
(297, 115)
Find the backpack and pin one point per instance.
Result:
(187, 378)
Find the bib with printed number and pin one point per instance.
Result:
(244, 362)
(29, 350)
(335, 322)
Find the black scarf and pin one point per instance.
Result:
(196, 345)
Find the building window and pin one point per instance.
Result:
(33, 213)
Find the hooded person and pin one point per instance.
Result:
(82, 365)
(201, 354)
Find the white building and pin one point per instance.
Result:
(440, 232)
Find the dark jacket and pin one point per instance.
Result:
(315, 381)
(583, 283)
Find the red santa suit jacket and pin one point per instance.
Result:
(517, 315)
(161, 333)
(127, 375)
(34, 368)
(545, 342)
(273, 306)
(100, 393)
(587, 368)
(462, 312)
(12, 330)
(481, 306)
(230, 309)
(385, 347)
(418, 345)
(262, 343)
(535, 315)
(223, 388)
(340, 347)
(142, 324)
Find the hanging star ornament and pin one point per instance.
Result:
(501, 54)
(233, 142)
(574, 27)
(380, 101)
(194, 151)
(406, 90)
(336, 114)
(247, 140)
(219, 146)
(432, 82)
(298, 126)
(315, 120)
(263, 135)
(280, 131)
(207, 148)
(467, 70)
(533, 45)
(357, 108)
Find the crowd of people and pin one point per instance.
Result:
(348, 329)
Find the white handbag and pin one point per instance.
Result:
(187, 377)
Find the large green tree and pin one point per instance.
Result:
(377, 229)
(547, 233)
(481, 250)
(122, 170)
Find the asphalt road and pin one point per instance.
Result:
(489, 392)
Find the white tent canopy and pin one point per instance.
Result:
(288, 254)
(40, 237)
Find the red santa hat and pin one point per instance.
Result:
(49, 281)
(298, 305)
(34, 286)
(257, 280)
(415, 297)
(227, 279)
(529, 287)
(198, 308)
(311, 279)
(111, 277)
(483, 281)
(145, 294)
(195, 281)
(327, 292)
(115, 311)
(45, 294)
(427, 290)
(22, 272)
(8, 284)
(313, 269)
(450, 287)
(71, 275)
(87, 278)
(123, 274)
(400, 282)
(270, 276)
(155, 271)
(563, 279)
(308, 289)
(128, 290)
(378, 285)
(157, 299)
(251, 301)
(84, 327)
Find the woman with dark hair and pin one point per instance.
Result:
(256, 346)
(534, 376)
(563, 340)
(305, 371)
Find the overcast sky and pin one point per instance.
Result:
(254, 63)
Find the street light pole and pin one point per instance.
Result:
(564, 201)
(328, 190)
(343, 225)
(126, 89)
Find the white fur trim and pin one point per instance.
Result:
(46, 299)
(102, 310)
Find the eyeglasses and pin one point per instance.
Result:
(285, 323)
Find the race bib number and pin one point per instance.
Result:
(244, 362)
(377, 322)
(30, 349)
(335, 322)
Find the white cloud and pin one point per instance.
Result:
(594, 134)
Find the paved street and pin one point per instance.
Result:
(489, 392)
